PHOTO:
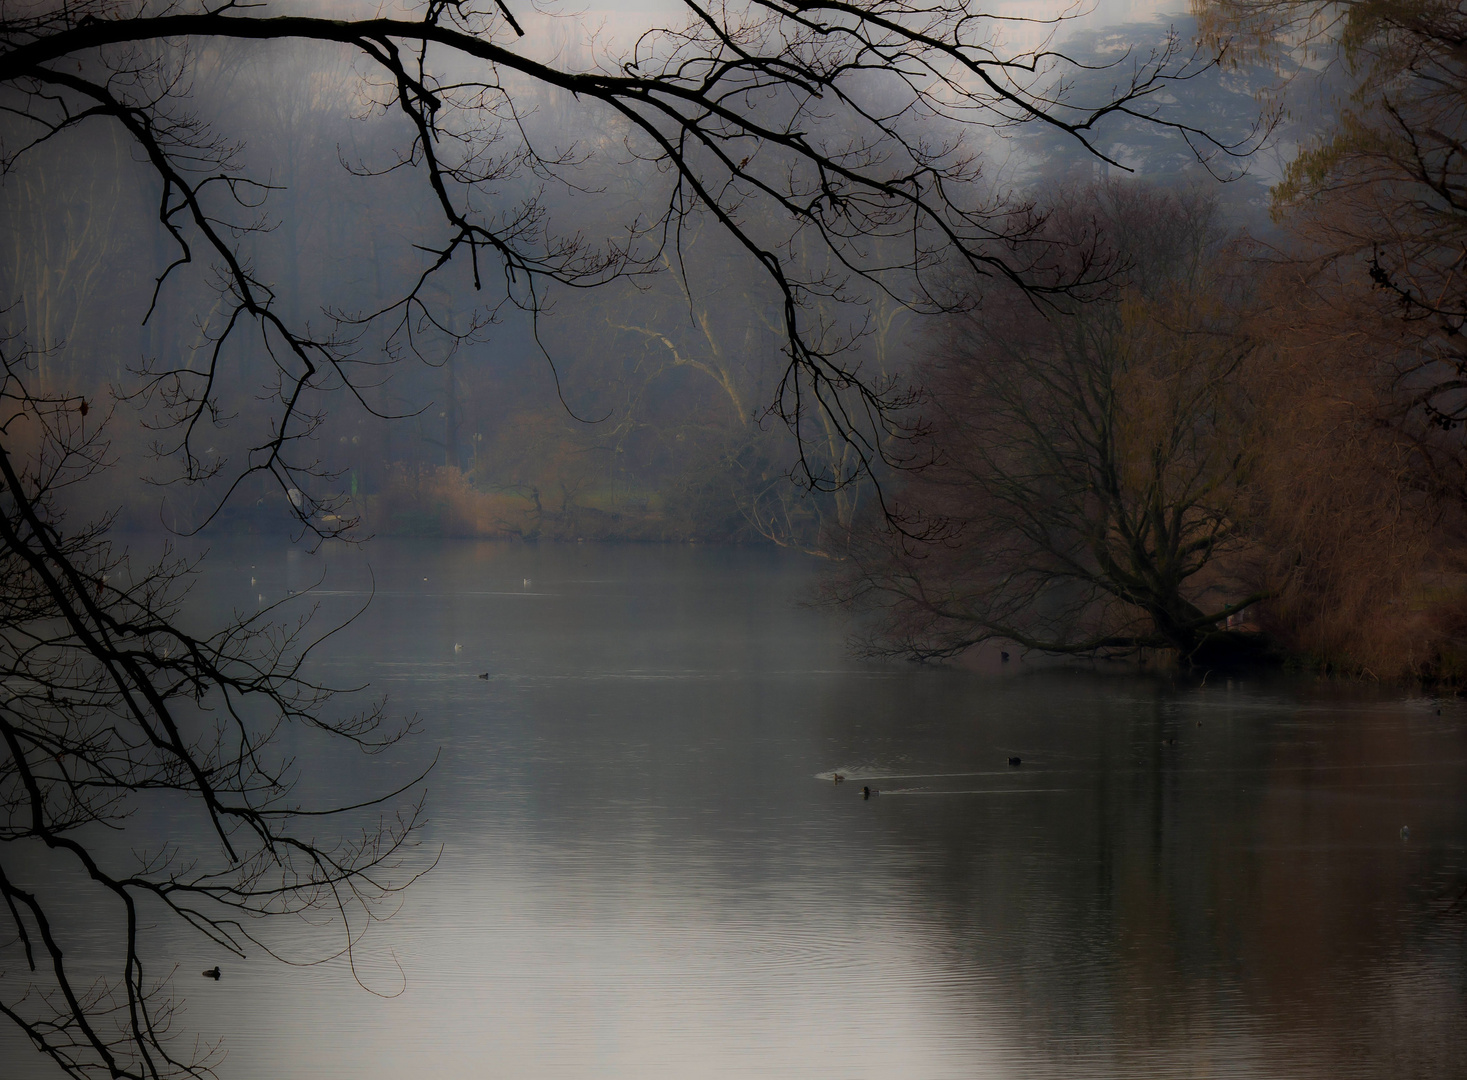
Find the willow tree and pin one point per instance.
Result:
(793, 127)
(1088, 475)
(1377, 201)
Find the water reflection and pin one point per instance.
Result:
(645, 875)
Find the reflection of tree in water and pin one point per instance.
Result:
(1232, 897)
(1236, 898)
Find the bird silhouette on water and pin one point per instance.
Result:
(867, 792)
(484, 676)
(214, 973)
(1016, 761)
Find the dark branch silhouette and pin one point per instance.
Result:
(838, 136)
(839, 125)
(109, 706)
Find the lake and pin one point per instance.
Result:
(648, 872)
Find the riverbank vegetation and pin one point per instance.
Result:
(1122, 406)
(1200, 457)
(1269, 431)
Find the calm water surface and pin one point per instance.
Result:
(647, 871)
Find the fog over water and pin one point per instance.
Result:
(596, 331)
(647, 870)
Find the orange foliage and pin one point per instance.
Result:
(1349, 533)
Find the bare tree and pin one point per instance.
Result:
(842, 128)
(109, 707)
(1088, 460)
(788, 124)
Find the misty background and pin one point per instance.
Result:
(634, 410)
